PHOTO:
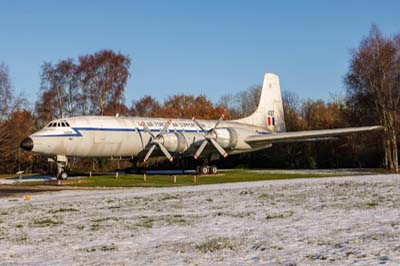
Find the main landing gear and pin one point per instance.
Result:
(206, 169)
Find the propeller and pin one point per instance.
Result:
(209, 136)
(157, 141)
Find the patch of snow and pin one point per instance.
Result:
(327, 221)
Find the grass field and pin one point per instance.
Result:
(229, 176)
(14, 175)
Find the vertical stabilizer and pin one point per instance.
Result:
(269, 113)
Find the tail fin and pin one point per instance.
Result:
(269, 113)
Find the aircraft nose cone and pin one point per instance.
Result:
(27, 144)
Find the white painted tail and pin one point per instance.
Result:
(269, 113)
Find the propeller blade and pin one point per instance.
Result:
(219, 121)
(165, 128)
(147, 129)
(219, 148)
(149, 152)
(166, 153)
(198, 124)
(200, 149)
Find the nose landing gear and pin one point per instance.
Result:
(61, 172)
(62, 163)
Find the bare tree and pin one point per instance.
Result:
(60, 81)
(66, 69)
(104, 76)
(50, 82)
(373, 82)
(94, 86)
(46, 107)
(146, 106)
(292, 111)
(5, 143)
(9, 105)
(242, 103)
(6, 92)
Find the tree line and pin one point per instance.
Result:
(95, 84)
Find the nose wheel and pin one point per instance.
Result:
(62, 164)
(63, 175)
(61, 172)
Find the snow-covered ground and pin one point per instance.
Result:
(330, 221)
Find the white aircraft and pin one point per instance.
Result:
(140, 138)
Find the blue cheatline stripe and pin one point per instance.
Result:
(77, 131)
(131, 129)
(75, 134)
(102, 129)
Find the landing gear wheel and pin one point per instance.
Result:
(203, 169)
(63, 175)
(213, 170)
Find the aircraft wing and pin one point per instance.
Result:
(308, 135)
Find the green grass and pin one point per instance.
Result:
(216, 244)
(228, 176)
(184, 180)
(64, 210)
(15, 176)
(112, 247)
(45, 222)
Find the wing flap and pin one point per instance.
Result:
(308, 134)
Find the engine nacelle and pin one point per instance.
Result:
(226, 137)
(175, 142)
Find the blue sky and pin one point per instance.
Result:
(195, 47)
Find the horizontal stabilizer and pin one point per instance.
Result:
(295, 136)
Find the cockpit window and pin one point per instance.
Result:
(58, 124)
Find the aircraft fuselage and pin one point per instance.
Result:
(102, 136)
